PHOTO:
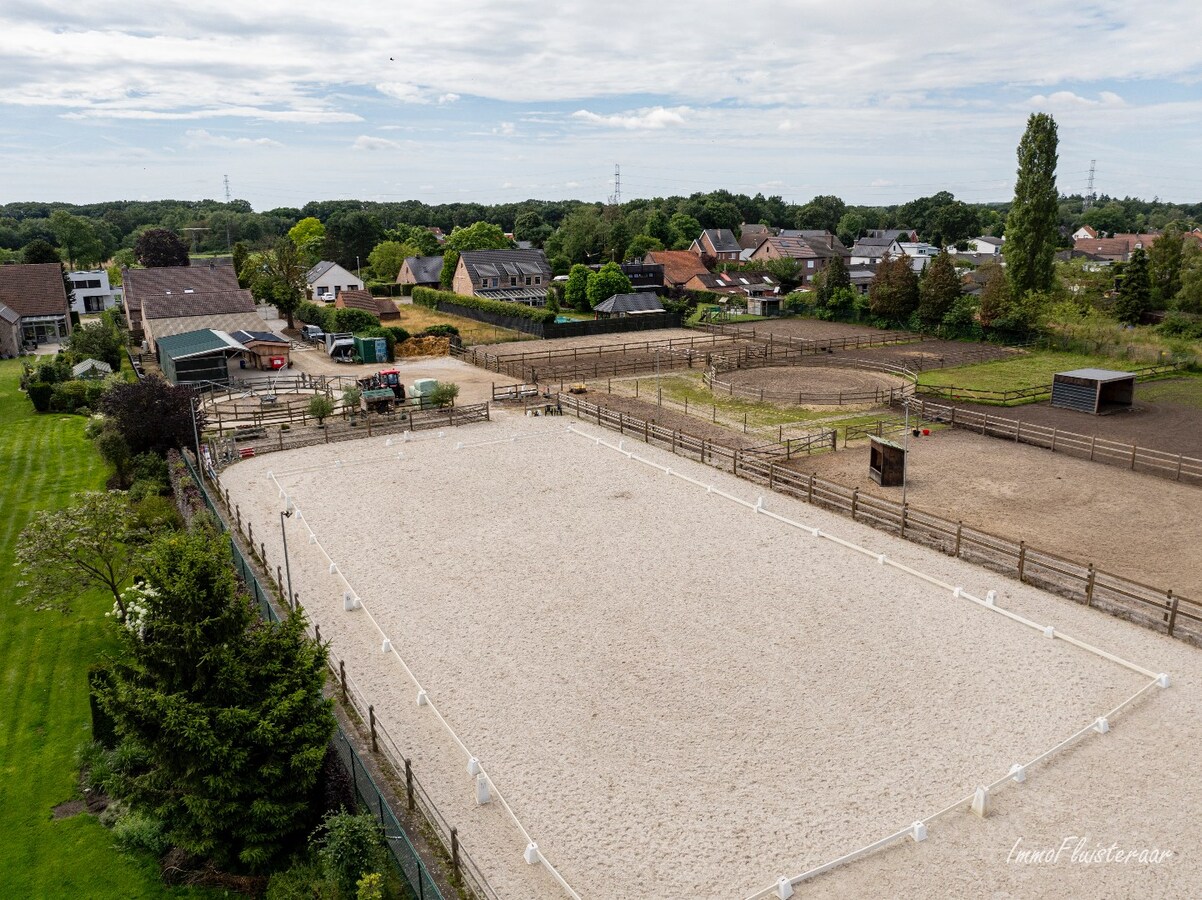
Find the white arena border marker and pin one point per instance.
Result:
(980, 795)
(486, 789)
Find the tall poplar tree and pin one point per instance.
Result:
(1030, 245)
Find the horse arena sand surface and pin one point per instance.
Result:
(681, 698)
(1140, 526)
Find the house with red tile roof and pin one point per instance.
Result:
(679, 266)
(381, 307)
(34, 297)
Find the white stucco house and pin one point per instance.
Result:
(328, 279)
(91, 292)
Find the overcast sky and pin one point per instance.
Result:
(877, 102)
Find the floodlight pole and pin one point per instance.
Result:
(284, 514)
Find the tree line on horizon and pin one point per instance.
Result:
(85, 235)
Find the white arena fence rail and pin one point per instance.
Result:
(486, 787)
(367, 791)
(978, 799)
(1174, 466)
(1147, 605)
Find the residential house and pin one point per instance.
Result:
(1109, 249)
(1085, 233)
(140, 284)
(919, 252)
(985, 244)
(869, 251)
(812, 250)
(720, 243)
(516, 276)
(647, 277)
(894, 234)
(10, 333)
(381, 307)
(328, 279)
(36, 299)
(751, 236)
(619, 306)
(678, 265)
(861, 278)
(421, 271)
(91, 292)
(741, 284)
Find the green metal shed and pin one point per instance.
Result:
(371, 349)
(196, 356)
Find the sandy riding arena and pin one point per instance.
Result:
(678, 691)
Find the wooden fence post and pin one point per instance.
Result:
(250, 535)
(1092, 441)
(1022, 558)
(238, 516)
(371, 720)
(409, 782)
(855, 497)
(810, 493)
(263, 553)
(1133, 457)
(771, 476)
(317, 633)
(1172, 613)
(342, 678)
(959, 533)
(279, 577)
(903, 519)
(455, 851)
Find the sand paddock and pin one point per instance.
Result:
(680, 697)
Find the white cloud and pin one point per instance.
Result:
(1064, 100)
(881, 182)
(406, 93)
(199, 136)
(655, 117)
(505, 129)
(446, 98)
(367, 142)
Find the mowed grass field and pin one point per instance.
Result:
(1029, 370)
(44, 658)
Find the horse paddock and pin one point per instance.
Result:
(681, 691)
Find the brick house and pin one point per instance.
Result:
(515, 276)
(811, 252)
(35, 298)
(720, 243)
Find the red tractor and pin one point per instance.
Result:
(388, 378)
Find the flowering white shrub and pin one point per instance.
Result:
(137, 610)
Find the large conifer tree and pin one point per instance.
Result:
(1030, 246)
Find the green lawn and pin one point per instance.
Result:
(1029, 370)
(44, 657)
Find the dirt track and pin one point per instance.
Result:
(1140, 526)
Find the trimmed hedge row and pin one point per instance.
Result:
(431, 298)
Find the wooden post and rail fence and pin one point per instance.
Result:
(1144, 604)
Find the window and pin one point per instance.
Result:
(809, 263)
(513, 281)
(538, 279)
(527, 281)
(93, 283)
(337, 288)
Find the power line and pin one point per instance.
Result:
(1089, 195)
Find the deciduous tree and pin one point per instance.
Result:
(1031, 227)
(159, 247)
(277, 277)
(575, 292)
(478, 236)
(152, 415)
(78, 239)
(90, 544)
(606, 282)
(1164, 265)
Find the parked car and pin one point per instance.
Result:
(313, 334)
